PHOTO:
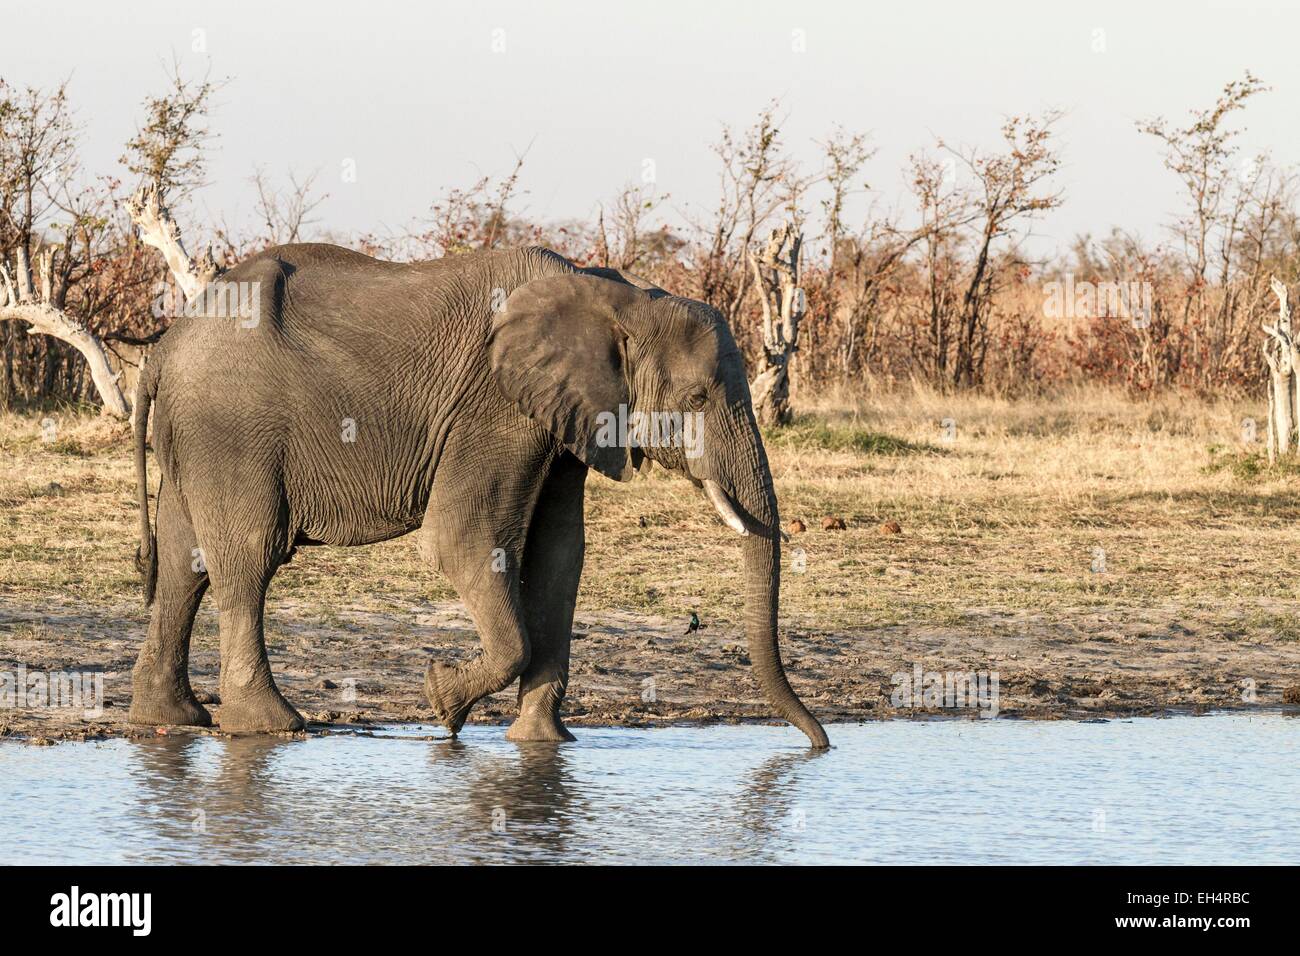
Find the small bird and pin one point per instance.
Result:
(695, 624)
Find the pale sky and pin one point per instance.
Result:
(417, 96)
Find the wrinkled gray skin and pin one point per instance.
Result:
(474, 422)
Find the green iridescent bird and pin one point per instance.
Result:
(695, 624)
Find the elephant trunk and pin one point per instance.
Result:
(762, 555)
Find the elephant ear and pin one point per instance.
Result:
(559, 352)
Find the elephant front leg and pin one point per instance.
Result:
(552, 568)
(475, 532)
(486, 577)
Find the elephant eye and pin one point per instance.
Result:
(696, 399)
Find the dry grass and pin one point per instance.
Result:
(1010, 517)
(1006, 516)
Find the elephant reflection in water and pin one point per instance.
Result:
(516, 804)
(259, 798)
(217, 796)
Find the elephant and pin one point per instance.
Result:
(353, 400)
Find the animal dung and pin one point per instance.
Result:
(797, 527)
(830, 523)
(891, 527)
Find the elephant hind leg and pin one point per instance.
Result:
(160, 682)
(549, 581)
(242, 555)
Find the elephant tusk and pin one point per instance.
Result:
(722, 504)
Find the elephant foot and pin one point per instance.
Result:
(165, 702)
(538, 725)
(257, 713)
(159, 712)
(444, 687)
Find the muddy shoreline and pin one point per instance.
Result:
(359, 669)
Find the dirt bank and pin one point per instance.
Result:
(638, 670)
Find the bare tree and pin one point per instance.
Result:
(1200, 154)
(37, 160)
(1004, 188)
(69, 262)
(1282, 355)
(169, 150)
(776, 277)
(943, 214)
(1004, 193)
(41, 308)
(624, 237)
(757, 180)
(1218, 193)
(158, 228)
(169, 154)
(287, 213)
(860, 263)
(1233, 235)
(37, 167)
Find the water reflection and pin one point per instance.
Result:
(244, 798)
(522, 795)
(1187, 790)
(770, 800)
(211, 796)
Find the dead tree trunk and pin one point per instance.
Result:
(44, 315)
(41, 305)
(776, 274)
(1282, 353)
(159, 229)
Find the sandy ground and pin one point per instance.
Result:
(366, 668)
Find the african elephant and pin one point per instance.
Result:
(359, 400)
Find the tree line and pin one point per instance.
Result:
(823, 285)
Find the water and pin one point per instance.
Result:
(1218, 789)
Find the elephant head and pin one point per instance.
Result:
(619, 373)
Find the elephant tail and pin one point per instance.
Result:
(146, 556)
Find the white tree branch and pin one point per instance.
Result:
(42, 318)
(159, 230)
(1282, 355)
(776, 277)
